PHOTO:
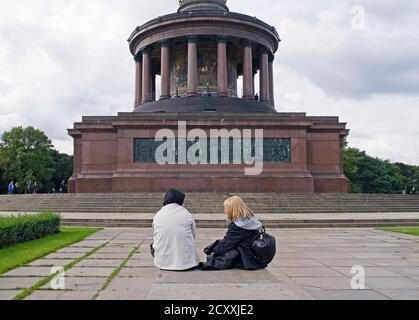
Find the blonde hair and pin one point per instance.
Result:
(235, 209)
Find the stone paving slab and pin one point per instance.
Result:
(346, 262)
(89, 272)
(395, 262)
(8, 294)
(141, 263)
(108, 255)
(65, 255)
(211, 277)
(406, 271)
(50, 263)
(370, 272)
(310, 264)
(17, 283)
(392, 283)
(81, 283)
(29, 272)
(139, 286)
(140, 272)
(108, 263)
(216, 291)
(88, 244)
(110, 295)
(320, 294)
(74, 250)
(48, 295)
(310, 272)
(115, 249)
(325, 283)
(296, 263)
(401, 294)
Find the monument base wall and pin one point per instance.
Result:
(106, 159)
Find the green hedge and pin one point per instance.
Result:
(14, 230)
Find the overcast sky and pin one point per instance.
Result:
(358, 60)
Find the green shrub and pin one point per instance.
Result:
(14, 230)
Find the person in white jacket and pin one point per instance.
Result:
(174, 227)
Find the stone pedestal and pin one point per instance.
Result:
(105, 159)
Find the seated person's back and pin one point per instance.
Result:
(174, 235)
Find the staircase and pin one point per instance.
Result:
(276, 210)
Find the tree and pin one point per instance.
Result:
(372, 175)
(26, 154)
(63, 167)
(351, 160)
(3, 183)
(411, 173)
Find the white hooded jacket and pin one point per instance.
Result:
(174, 239)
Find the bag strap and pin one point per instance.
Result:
(262, 230)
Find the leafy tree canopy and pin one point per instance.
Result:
(372, 175)
(27, 154)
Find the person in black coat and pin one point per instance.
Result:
(235, 251)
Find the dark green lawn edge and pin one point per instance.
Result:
(84, 233)
(413, 231)
(116, 272)
(27, 292)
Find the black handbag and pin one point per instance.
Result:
(264, 247)
(222, 262)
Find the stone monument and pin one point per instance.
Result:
(200, 53)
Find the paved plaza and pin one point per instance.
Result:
(310, 264)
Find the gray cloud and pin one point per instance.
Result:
(63, 59)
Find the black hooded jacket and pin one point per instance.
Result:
(239, 239)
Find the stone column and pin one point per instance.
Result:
(146, 74)
(222, 66)
(165, 70)
(153, 87)
(138, 79)
(264, 75)
(192, 66)
(248, 90)
(271, 80)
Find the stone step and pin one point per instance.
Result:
(210, 203)
(276, 224)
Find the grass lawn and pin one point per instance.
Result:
(24, 253)
(408, 230)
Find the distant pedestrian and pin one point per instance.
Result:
(11, 188)
(16, 189)
(63, 187)
(28, 189)
(35, 187)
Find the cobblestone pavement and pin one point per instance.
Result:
(311, 264)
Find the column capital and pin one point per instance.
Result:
(264, 50)
(166, 42)
(138, 56)
(271, 58)
(247, 42)
(146, 50)
(222, 39)
(193, 39)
